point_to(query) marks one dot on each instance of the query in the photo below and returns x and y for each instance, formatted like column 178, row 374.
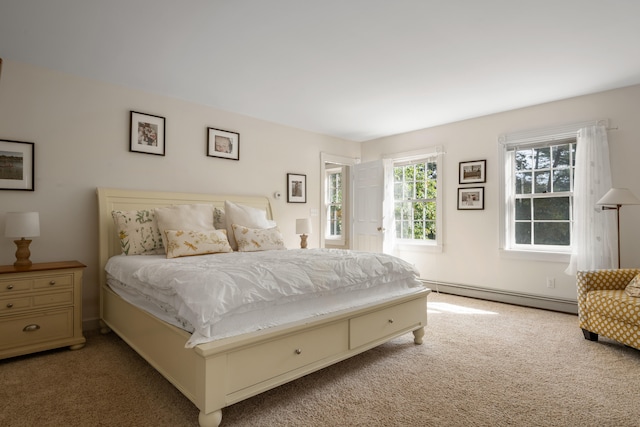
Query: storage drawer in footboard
column 387, row 322
column 252, row 365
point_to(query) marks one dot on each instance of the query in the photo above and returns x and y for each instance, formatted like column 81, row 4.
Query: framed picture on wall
column 16, row 165
column 296, row 188
column 147, row 134
column 471, row 198
column 222, row 143
column 473, row 172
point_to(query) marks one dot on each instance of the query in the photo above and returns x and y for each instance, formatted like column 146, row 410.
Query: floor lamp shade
column 614, row 199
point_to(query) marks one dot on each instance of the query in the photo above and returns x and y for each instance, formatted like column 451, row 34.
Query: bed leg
column 212, row 419
column 104, row 329
column 418, row 334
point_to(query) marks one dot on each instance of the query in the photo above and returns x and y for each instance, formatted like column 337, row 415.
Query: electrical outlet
column 551, row 282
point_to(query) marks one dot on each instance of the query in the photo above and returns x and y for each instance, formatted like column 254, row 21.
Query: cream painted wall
column 81, row 131
column 471, row 240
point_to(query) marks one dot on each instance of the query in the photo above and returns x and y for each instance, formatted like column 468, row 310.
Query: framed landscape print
column 16, row 165
column 473, row 172
column 222, row 143
column 147, row 134
column 471, row 198
column 296, row 188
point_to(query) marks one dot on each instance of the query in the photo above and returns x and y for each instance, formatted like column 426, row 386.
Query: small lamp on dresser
column 303, row 228
column 22, row 225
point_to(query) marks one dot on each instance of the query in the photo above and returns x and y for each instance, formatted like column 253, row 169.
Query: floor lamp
column 615, row 199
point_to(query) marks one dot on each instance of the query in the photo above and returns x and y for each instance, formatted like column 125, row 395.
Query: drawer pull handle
column 9, row 304
column 390, row 320
column 9, row 287
column 31, row 328
column 53, row 282
column 298, row 351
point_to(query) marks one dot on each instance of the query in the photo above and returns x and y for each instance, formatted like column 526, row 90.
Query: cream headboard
column 110, row 199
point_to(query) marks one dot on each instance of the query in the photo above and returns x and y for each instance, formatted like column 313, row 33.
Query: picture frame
column 296, row 188
column 223, row 144
column 471, row 198
column 17, row 165
column 147, row 134
column 473, row 172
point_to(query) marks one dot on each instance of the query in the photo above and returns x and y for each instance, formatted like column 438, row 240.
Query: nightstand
column 40, row 307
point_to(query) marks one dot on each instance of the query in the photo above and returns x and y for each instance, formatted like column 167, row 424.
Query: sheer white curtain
column 594, row 232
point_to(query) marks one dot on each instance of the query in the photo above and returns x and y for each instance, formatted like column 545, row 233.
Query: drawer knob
column 390, row 320
column 9, row 287
column 53, row 282
column 298, row 351
column 9, row 304
column 31, row 328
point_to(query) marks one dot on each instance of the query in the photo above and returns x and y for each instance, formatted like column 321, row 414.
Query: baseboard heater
column 516, row 298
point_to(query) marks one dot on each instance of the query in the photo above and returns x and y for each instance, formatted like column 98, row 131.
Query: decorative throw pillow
column 197, row 217
column 187, row 243
column 138, row 232
column 633, row 288
column 246, row 216
column 253, row 239
column 219, row 220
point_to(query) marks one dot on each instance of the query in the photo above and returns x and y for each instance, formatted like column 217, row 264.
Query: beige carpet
column 482, row 364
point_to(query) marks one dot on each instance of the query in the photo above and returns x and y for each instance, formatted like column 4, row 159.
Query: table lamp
column 615, row 198
column 303, row 228
column 21, row 225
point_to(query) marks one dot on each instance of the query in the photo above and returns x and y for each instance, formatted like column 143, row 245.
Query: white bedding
column 216, row 296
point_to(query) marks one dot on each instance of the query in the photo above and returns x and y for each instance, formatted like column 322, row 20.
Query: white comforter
column 206, row 288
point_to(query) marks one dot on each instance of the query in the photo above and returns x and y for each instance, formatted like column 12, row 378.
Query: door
column 368, row 208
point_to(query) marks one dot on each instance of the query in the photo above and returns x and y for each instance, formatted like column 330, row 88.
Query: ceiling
column 354, row 69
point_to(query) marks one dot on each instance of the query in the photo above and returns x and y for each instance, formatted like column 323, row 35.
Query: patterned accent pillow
column 633, row 288
column 252, row 239
column 219, row 220
column 138, row 232
column 187, row 243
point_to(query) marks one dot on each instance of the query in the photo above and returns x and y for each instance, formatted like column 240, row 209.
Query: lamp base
column 22, row 253
column 303, row 241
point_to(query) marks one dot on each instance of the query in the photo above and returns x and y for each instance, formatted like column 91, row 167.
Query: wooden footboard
column 217, row 374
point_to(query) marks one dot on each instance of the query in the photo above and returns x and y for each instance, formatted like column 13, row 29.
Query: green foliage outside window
column 415, row 194
column 544, row 194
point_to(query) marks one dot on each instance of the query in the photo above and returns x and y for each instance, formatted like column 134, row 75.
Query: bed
column 220, row 372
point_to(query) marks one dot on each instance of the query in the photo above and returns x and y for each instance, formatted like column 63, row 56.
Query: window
column 415, row 191
column 542, row 191
column 536, row 188
column 333, row 203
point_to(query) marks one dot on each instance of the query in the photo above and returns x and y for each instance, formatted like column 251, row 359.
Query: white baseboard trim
column 516, row 298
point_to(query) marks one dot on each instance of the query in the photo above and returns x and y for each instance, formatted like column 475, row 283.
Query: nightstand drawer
column 41, row 327
column 15, row 285
column 10, row 305
column 53, row 281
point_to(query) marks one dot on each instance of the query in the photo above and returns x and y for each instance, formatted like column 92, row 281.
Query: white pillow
column 245, row 216
column 187, row 243
column 196, row 217
column 253, row 239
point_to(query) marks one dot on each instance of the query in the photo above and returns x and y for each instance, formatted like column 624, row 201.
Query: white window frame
column 429, row 154
column 507, row 143
column 330, row 238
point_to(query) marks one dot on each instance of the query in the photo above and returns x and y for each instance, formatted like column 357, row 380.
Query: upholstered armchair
column 604, row 308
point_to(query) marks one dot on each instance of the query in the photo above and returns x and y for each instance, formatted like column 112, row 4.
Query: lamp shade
column 619, row 196
column 303, row 226
column 22, row 224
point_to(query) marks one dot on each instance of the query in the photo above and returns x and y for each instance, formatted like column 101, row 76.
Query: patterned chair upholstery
column 605, row 308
